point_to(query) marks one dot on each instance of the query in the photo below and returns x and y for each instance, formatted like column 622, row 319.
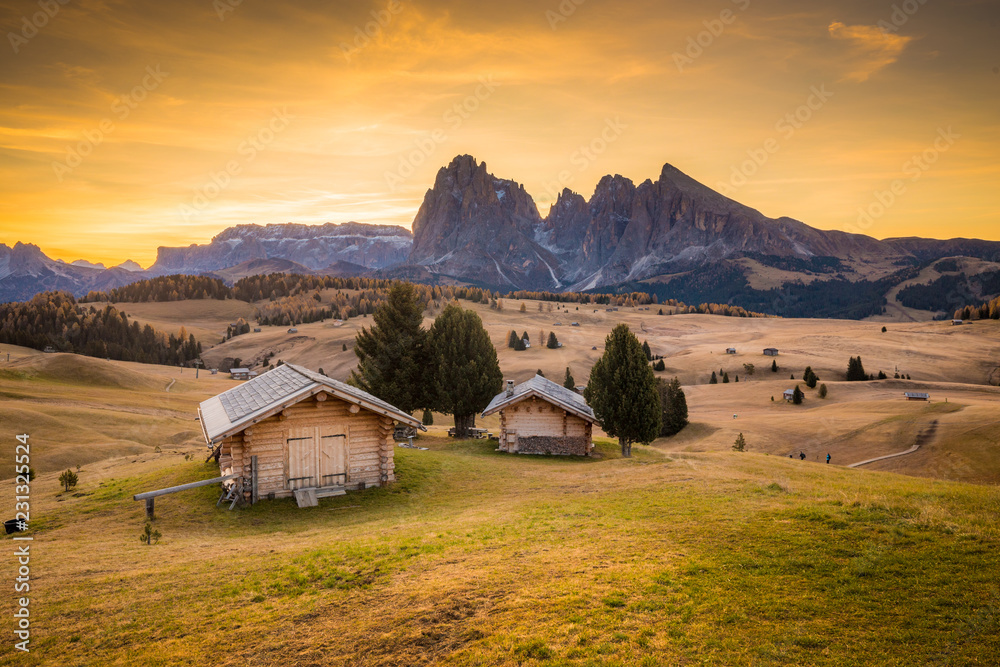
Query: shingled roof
column 547, row 390
column 259, row 398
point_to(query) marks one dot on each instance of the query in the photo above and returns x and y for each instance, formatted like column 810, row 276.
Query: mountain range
column 671, row 235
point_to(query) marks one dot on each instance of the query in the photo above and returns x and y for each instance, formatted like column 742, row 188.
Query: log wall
column 535, row 426
column 369, row 455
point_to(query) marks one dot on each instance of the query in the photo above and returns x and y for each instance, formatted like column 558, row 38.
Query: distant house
column 956, row 323
column 239, row 373
column 789, row 395
column 293, row 432
column 257, row 330
column 214, row 371
column 49, row 349
column 542, row 417
column 293, row 330
column 730, row 350
column 771, row 352
column 575, row 324
column 917, row 396
column 527, row 343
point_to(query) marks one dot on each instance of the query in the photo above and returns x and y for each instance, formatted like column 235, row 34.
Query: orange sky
column 129, row 125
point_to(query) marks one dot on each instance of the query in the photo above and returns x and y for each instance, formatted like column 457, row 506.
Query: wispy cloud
column 871, row 48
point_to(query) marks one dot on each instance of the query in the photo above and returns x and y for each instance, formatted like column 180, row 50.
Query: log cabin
column 542, row 417
column 310, row 436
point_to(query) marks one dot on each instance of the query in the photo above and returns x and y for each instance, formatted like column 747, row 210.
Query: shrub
column 741, row 444
column 822, row 391
column 68, row 479
column 149, row 535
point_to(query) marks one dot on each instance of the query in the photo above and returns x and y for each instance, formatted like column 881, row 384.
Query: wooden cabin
column 770, row 351
column 293, row 432
column 789, row 395
column 239, row 373
column 542, row 417
column 957, row 322
column 917, row 396
column 730, row 350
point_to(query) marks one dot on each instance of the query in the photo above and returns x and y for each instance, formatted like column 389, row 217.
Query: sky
column 129, row 125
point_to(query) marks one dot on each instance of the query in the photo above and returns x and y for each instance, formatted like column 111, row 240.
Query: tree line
column 56, row 320
column 164, row 288
column 987, row 311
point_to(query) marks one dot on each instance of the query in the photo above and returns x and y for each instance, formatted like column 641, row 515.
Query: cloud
column 871, row 48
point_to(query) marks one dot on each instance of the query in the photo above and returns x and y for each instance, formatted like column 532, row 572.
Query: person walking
column 802, row 456
column 828, row 458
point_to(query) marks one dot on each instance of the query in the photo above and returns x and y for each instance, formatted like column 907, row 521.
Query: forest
column 56, row 320
column 951, row 291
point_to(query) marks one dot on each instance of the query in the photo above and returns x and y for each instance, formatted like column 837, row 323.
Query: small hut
column 239, row 373
column 542, row 417
column 770, row 351
column 730, row 350
column 957, row 322
column 917, row 396
column 293, row 432
column 789, row 395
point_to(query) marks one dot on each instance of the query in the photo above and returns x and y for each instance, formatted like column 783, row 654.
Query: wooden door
column 333, row 455
column 302, row 465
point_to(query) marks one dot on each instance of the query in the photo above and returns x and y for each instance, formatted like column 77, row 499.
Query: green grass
column 476, row 557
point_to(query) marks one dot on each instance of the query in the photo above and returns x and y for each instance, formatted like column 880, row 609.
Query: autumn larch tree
column 462, row 368
column 391, row 353
column 622, row 391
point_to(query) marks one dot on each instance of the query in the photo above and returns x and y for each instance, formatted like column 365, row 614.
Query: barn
column 542, row 417
column 917, row 396
column 293, row 432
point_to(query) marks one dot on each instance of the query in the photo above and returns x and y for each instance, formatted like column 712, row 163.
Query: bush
column 149, row 536
column 741, row 443
column 428, row 418
column 822, row 391
column 68, row 479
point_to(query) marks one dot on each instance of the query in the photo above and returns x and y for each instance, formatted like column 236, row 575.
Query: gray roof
column 548, row 390
column 916, row 394
column 259, row 398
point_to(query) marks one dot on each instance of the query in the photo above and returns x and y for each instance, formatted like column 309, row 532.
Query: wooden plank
column 182, row 487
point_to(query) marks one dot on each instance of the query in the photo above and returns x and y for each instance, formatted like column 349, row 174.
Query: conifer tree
column 622, row 391
column 391, row 361
column 512, row 339
column 797, row 396
column 822, row 391
column 428, row 418
column 774, row 366
column 568, row 381
column 465, row 374
column 810, row 378
column 856, row 370
column 673, row 407
column 540, row 373
column 647, row 351
column 725, row 378
column 741, row 444
column 553, row 341
column 714, row 379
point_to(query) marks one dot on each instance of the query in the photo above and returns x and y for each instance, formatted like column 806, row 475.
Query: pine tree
column 519, row 345
column 68, row 479
column 465, row 374
column 741, row 444
column 714, row 379
column 774, row 366
column 647, row 351
column 568, row 381
column 428, row 418
column 856, row 370
column 822, row 391
column 512, row 339
column 673, row 407
column 539, row 372
column 882, row 375
column 659, row 366
column 622, row 391
column 810, row 378
column 553, row 341
column 797, row 396
column 391, row 352
column 725, row 378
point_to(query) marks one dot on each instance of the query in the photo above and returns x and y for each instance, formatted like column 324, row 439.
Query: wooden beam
column 149, row 509
column 254, row 496
column 354, row 409
column 183, row 487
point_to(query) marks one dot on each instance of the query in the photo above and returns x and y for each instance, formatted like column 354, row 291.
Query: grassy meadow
column 687, row 553
column 477, row 558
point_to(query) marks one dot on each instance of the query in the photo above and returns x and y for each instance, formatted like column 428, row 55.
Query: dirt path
column 923, row 438
column 170, row 385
